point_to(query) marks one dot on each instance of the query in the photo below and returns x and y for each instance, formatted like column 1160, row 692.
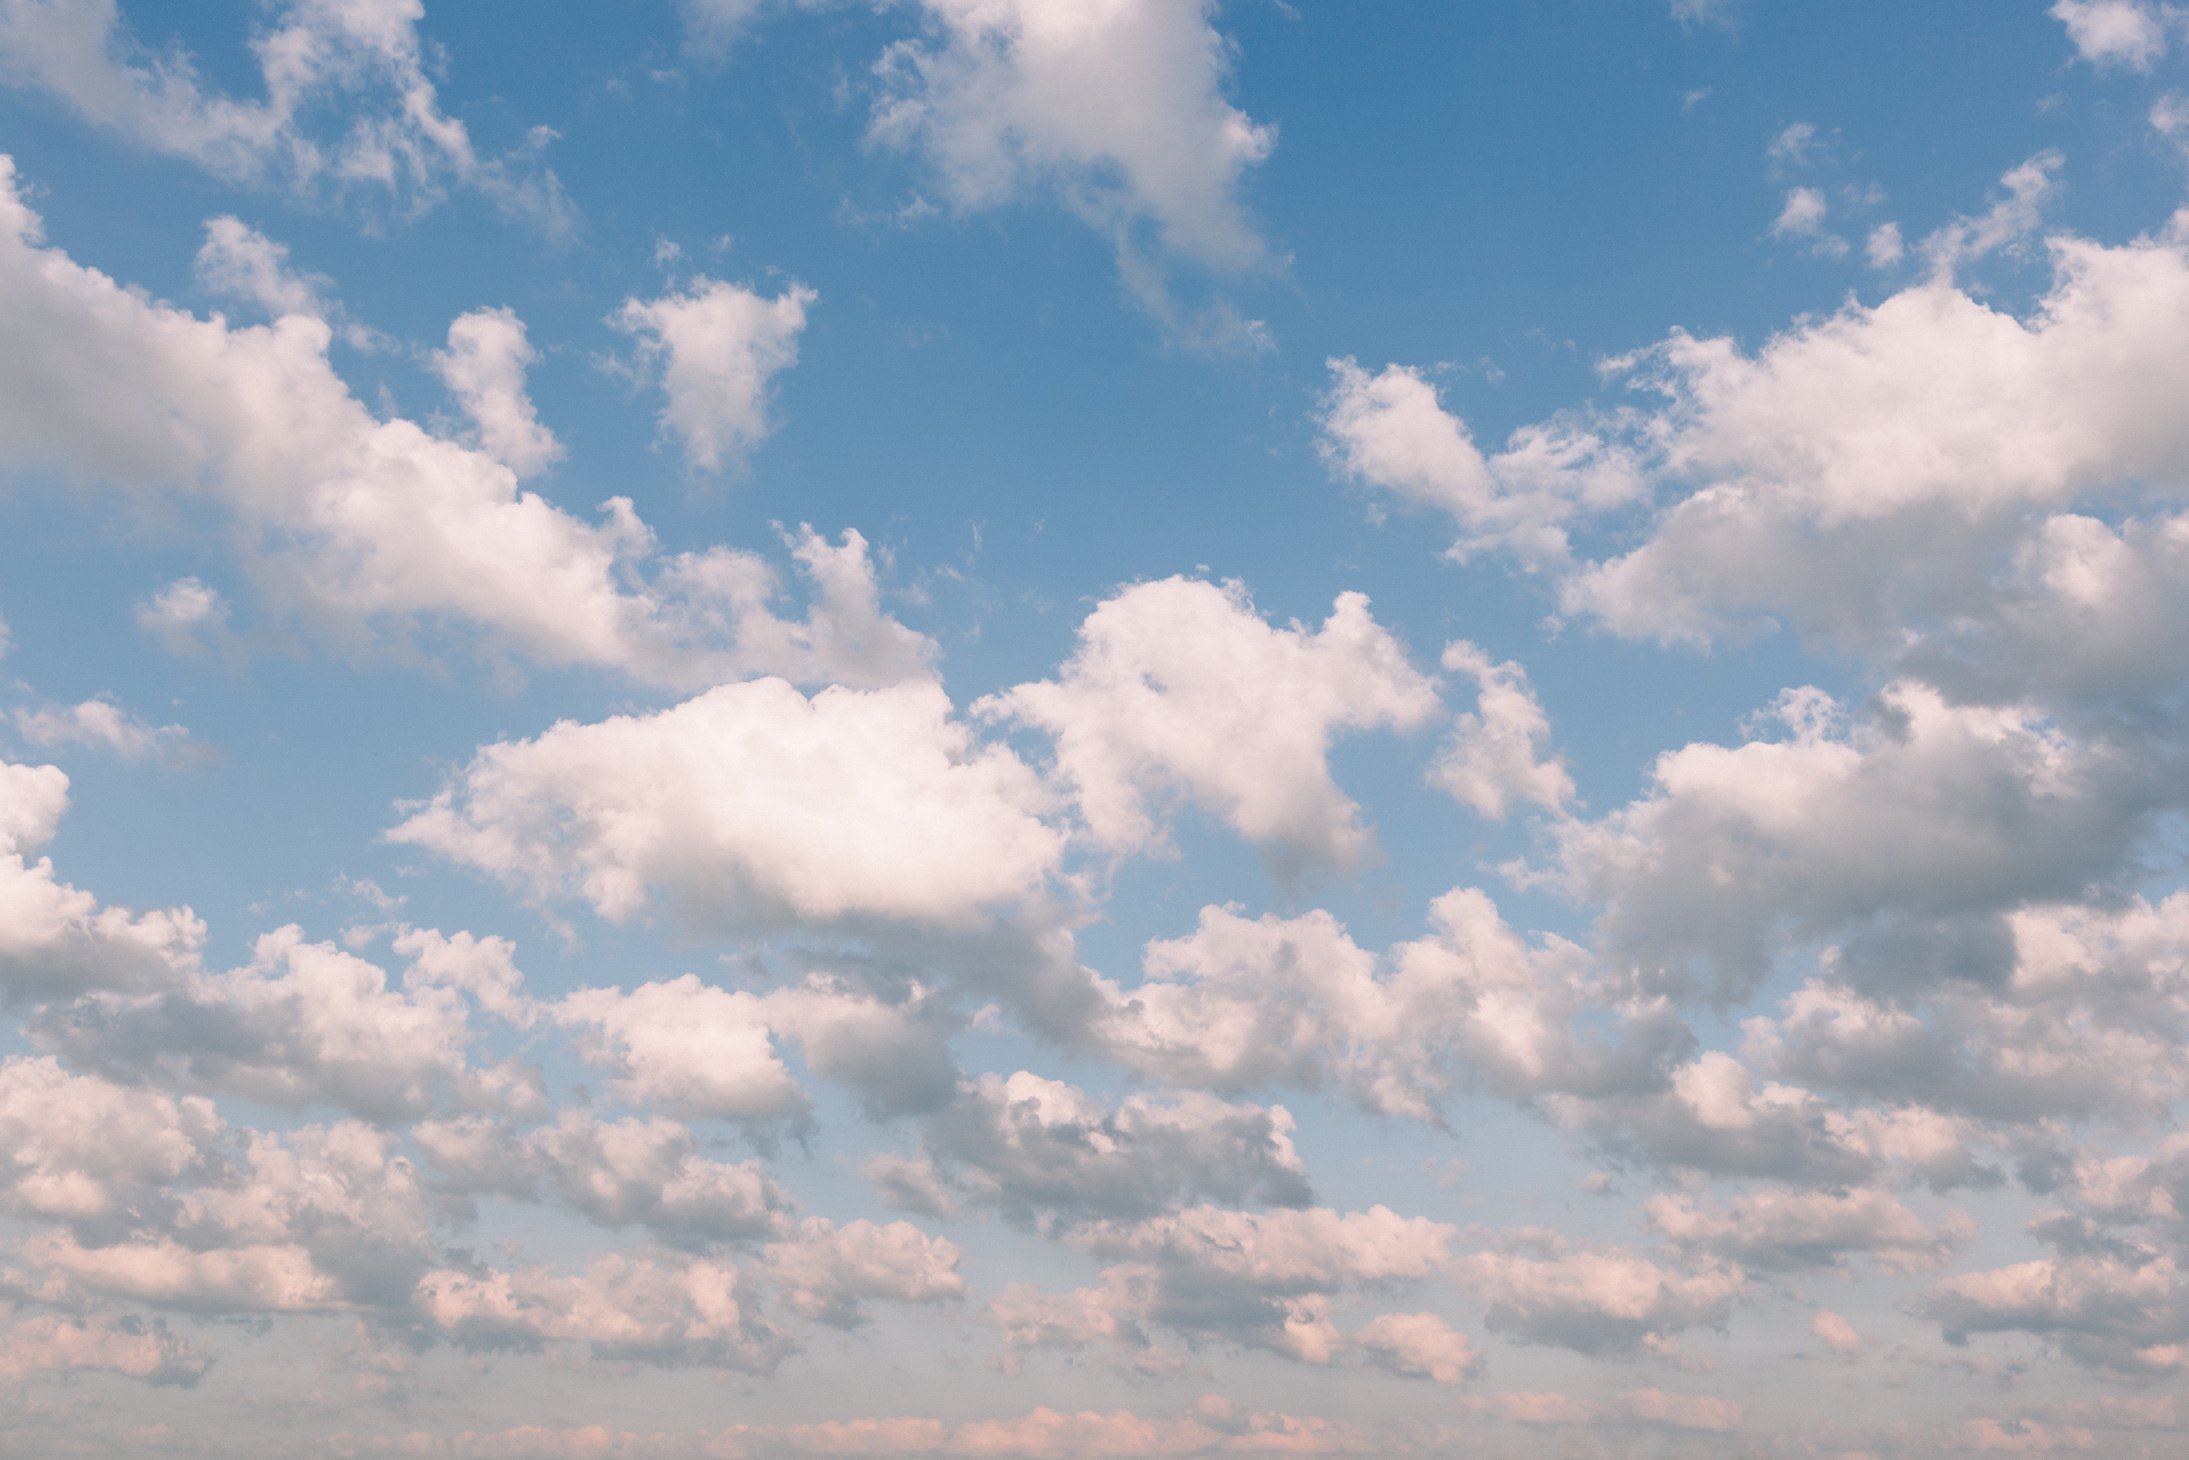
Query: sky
column 1070, row 728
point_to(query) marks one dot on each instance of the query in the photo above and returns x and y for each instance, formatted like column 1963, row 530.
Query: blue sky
column 1093, row 727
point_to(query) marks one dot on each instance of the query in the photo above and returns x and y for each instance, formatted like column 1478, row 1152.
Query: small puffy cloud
column 716, row 349
column 614, row 1173
column 1179, row 690
column 2130, row 33
column 237, row 261
column 1420, row 1345
column 1836, row 1333
column 1390, row 431
column 1031, row 1146
column 1596, row 1300
column 1776, row 1228
column 1256, row 1279
column 484, row 368
column 1714, row 1116
column 1802, row 220
column 99, row 723
column 302, row 1025
column 656, row 1308
column 1115, row 106
column 752, row 806
column 55, row 939
column 187, row 617
column 1498, row 755
column 690, row 1046
column 319, row 1219
column 829, row 1273
column 1245, row 1003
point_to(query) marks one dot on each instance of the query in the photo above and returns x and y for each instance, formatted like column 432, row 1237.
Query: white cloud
column 1031, row 1146
column 362, row 59
column 1179, row 689
column 240, row 262
column 1390, row 430
column 55, row 939
column 302, row 1025
column 1497, row 755
column 615, row 1173
column 1595, row 1300
column 653, row 1308
column 1837, row 1333
column 1923, row 808
column 376, row 531
column 1244, row 1003
column 717, row 349
column 1775, row 1228
column 754, row 806
column 100, row 723
column 1803, row 218
column 695, row 1048
column 51, row 1343
column 1116, row 106
column 1421, row 1345
column 2127, row 33
column 484, row 367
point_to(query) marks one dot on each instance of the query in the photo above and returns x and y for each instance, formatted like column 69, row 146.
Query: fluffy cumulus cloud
column 753, row 805
column 1244, row 1003
column 716, row 348
column 1116, row 107
column 1390, row 430
column 56, row 938
column 1180, row 691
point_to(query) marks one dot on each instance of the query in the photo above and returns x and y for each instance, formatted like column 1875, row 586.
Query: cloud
column 484, row 368
column 1246, row 1003
column 323, row 1218
column 99, row 723
column 1178, row 690
column 657, row 1308
column 717, row 349
column 1837, row 1334
column 239, row 262
column 1803, row 219
column 1922, row 808
column 2126, row 33
column 1116, row 107
column 1596, row 1300
column 97, row 1156
column 753, row 806
column 54, row 1344
column 1390, row 431
column 1256, row 1279
column 375, row 532
column 1031, row 1146
column 55, row 939
column 1775, row 1229
column 302, row 1025
column 614, row 1173
column 1420, row 1345
column 1862, row 475
column 358, row 62
column 1497, row 755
